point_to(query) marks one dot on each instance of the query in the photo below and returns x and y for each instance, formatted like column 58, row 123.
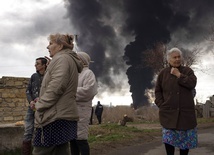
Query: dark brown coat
column 174, row 98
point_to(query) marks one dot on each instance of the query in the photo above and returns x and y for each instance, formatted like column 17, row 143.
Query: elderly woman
column 86, row 90
column 56, row 113
column 173, row 96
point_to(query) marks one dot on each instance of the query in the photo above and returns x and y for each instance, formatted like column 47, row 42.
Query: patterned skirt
column 55, row 133
column 183, row 139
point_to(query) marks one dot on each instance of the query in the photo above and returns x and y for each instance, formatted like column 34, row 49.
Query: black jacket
column 99, row 110
column 33, row 89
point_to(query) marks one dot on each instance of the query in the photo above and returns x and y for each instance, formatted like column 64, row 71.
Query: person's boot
column 26, row 148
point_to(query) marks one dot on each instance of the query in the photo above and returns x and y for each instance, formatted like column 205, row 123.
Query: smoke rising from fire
column 106, row 27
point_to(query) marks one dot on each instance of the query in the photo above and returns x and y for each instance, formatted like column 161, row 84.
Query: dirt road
column 205, row 147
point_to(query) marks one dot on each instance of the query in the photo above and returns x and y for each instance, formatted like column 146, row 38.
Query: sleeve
column 29, row 90
column 88, row 88
column 56, row 86
column 188, row 79
column 159, row 92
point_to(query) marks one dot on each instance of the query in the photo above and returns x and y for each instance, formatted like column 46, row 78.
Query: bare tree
column 156, row 60
column 190, row 57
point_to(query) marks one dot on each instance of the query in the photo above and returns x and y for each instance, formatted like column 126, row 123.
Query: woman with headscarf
column 86, row 90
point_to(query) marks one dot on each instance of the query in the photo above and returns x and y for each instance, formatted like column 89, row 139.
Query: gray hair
column 168, row 53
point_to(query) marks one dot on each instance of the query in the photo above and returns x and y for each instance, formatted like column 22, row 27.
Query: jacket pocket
column 48, row 116
column 168, row 118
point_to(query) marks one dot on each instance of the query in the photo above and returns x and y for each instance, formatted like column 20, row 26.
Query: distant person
column 174, row 97
column 56, row 113
column 92, row 114
column 99, row 112
column 86, row 90
column 32, row 93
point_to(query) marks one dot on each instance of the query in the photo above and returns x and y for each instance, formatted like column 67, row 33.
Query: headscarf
column 85, row 58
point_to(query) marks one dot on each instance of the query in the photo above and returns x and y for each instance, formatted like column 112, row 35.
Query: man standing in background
column 32, row 94
column 99, row 112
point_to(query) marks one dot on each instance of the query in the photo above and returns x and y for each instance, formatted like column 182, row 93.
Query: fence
column 208, row 108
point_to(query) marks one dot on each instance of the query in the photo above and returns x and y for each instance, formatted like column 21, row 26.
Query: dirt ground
column 104, row 149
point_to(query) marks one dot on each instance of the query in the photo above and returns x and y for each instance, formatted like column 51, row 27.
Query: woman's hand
column 176, row 72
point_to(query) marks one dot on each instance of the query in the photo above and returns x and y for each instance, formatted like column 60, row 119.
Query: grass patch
column 113, row 133
column 205, row 120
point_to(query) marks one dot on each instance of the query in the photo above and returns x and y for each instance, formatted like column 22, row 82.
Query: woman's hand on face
column 175, row 71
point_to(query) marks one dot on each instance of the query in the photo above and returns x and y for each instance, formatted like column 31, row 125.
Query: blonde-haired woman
column 56, row 113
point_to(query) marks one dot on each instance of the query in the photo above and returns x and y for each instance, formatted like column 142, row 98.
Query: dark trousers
column 91, row 118
column 170, row 150
column 79, row 147
column 52, row 150
column 99, row 118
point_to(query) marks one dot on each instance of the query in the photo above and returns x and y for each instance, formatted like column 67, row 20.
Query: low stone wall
column 13, row 103
column 13, row 107
column 10, row 137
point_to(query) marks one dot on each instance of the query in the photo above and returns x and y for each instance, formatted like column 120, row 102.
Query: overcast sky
column 25, row 26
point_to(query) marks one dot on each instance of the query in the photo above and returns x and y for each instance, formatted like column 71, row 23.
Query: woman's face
column 53, row 48
column 175, row 59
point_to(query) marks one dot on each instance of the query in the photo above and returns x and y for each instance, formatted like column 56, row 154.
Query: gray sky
column 26, row 24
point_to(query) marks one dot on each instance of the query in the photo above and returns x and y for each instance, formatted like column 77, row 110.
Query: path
column 205, row 147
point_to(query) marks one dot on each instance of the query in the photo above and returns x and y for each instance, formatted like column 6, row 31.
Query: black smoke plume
column 97, row 38
column 104, row 24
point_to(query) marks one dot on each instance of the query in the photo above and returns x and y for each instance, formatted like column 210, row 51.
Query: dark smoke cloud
column 97, row 38
column 103, row 24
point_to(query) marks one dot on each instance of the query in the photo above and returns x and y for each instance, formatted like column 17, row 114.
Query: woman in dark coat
column 173, row 96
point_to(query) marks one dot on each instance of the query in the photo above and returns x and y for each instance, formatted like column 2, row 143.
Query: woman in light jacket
column 56, row 113
column 86, row 90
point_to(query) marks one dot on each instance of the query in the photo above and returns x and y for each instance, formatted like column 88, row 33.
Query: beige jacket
column 58, row 90
column 86, row 90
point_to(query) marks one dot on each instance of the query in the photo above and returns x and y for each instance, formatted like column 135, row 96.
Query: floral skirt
column 183, row 139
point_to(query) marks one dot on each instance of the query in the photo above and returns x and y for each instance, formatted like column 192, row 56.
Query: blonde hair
column 62, row 39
